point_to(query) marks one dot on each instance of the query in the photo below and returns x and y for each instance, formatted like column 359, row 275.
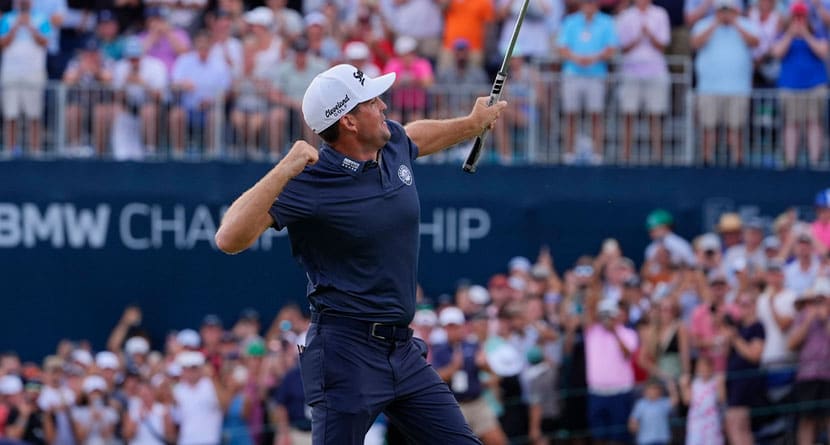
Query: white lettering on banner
column 159, row 225
column 452, row 230
column 125, row 226
column 10, row 232
column 48, row 227
column 83, row 228
column 201, row 228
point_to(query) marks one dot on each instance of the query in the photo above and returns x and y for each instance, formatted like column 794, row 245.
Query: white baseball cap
column 10, row 384
column 82, row 356
column 478, row 294
column 94, row 383
column 188, row 338
column 190, row 359
column 425, row 317
column 451, row 315
column 505, row 360
column 106, row 360
column 336, row 91
column 262, row 16
column 137, row 345
column 357, row 50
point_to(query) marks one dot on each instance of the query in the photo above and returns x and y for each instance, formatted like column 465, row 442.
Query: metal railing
column 252, row 122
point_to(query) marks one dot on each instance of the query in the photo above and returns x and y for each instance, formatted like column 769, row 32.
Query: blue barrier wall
column 80, row 240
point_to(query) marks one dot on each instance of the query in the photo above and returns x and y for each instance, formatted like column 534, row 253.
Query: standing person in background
column 292, row 416
column 803, row 80
column 649, row 419
column 200, row 401
column 56, row 399
column 24, row 36
column 413, row 76
column 723, row 65
column 467, row 19
column 767, row 19
column 162, row 40
column 534, row 40
column 540, row 387
column 235, row 430
column 776, row 309
column 24, row 420
column 644, row 32
column 148, row 420
column 820, row 228
column 93, row 420
column 704, row 394
column 586, row 42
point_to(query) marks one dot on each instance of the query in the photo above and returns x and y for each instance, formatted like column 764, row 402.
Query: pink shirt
column 644, row 60
column 163, row 50
column 821, row 232
column 703, row 328
column 608, row 369
column 419, row 69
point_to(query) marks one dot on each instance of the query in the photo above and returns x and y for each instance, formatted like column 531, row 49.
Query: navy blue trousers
column 349, row 377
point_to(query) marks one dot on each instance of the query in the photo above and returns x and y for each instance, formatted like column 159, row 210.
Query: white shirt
column 425, row 13
column 151, row 71
column 210, row 78
column 768, row 31
column 775, row 341
column 24, row 60
column 83, row 415
column 233, row 47
column 200, row 415
column 534, row 38
column 679, row 249
column 643, row 60
column 149, row 429
column 798, row 280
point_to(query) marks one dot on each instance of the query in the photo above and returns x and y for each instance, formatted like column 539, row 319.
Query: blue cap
column 153, row 12
column 91, row 44
column 823, row 198
column 106, row 16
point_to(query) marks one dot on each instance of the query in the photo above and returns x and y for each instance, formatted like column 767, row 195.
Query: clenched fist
column 485, row 116
column 302, row 154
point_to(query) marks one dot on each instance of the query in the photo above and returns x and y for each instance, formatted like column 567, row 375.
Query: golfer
column 352, row 214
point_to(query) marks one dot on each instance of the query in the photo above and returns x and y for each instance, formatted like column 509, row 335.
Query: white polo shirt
column 199, row 413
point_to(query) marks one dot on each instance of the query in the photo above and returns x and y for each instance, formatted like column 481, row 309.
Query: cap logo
column 359, row 76
column 337, row 108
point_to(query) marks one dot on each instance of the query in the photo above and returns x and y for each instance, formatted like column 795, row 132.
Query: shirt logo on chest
column 405, row 175
column 349, row 164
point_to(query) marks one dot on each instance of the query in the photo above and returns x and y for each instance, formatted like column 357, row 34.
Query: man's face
column 191, row 374
column 211, row 334
column 753, row 237
column 108, row 29
column 202, row 45
column 774, row 278
column 589, row 7
column 455, row 332
column 719, row 290
column 370, row 120
column 803, row 249
column 24, row 5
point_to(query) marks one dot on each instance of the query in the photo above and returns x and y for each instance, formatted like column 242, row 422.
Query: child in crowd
column 703, row 394
column 649, row 419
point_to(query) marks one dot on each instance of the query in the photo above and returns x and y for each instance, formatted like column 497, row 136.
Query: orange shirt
column 466, row 19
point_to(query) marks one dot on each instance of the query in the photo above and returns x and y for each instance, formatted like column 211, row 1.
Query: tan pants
column 299, row 437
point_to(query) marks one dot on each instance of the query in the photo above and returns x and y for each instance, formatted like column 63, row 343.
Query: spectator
column 368, row 27
column 696, row 10
column 744, row 381
column 200, row 85
column 704, row 395
column 55, row 401
column 767, row 20
column 659, row 224
column 809, row 339
column 56, row 13
column 107, row 33
column 184, row 14
column 649, row 419
column 803, row 51
column 211, row 332
column 644, row 32
column 820, row 228
column 89, row 100
column 200, row 401
column 24, row 420
column 587, row 41
column 268, row 49
column 413, row 78
column 708, row 252
column 609, row 346
column 534, row 40
column 358, row 54
column 162, row 40
column 292, row 416
column 461, row 73
column 469, row 20
column 289, row 82
column 800, row 274
column 730, row 227
column 776, row 309
column 459, row 362
column 511, row 131
column 667, row 344
column 235, row 430
column 236, row 12
column 427, row 14
column 249, row 108
column 541, row 392
column 288, row 23
column 93, row 420
column 723, row 66
column 148, row 421
column 225, row 48
column 141, row 82
column 321, row 42
column 706, row 325
column 750, row 252
column 24, row 35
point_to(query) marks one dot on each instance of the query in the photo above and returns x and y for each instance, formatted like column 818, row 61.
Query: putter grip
column 475, row 153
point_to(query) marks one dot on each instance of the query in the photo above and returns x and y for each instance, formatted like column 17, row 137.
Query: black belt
column 380, row 331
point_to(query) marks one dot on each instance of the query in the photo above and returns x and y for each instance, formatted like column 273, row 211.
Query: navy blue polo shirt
column 353, row 227
column 290, row 395
column 442, row 356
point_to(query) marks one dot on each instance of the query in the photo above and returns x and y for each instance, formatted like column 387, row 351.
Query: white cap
column 315, row 18
column 174, row 369
column 94, row 383
column 336, row 91
column 137, row 345
column 516, row 283
column 425, row 317
column 357, row 51
column 82, row 356
column 451, row 315
column 405, row 45
column 188, row 338
column 731, row 4
column 608, row 306
column 772, row 242
column 708, row 241
column 261, row 15
column 189, row 359
column 478, row 294
column 505, row 360
column 519, row 263
column 820, row 288
column 10, row 384
column 106, row 360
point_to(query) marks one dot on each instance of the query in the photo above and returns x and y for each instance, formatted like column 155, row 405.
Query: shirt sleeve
column 662, row 30
column 5, row 25
column 611, row 38
column 637, row 412
column 562, row 40
column 294, row 204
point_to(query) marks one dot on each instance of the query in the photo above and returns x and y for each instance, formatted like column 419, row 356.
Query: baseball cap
column 478, row 295
column 730, row 222
column 300, row 45
column 356, row 51
column 255, row 348
column 10, row 384
column 188, row 338
column 505, row 360
column 249, row 314
column 708, row 241
column 315, row 18
column 90, row 44
column 190, row 359
column 212, row 320
column 154, row 12
column 425, row 317
column 498, row 281
column 772, row 242
column 133, row 48
column 106, row 15
column 137, row 345
column 608, row 307
column 451, row 315
column 94, row 383
column 82, row 356
column 822, row 197
column 519, row 263
column 754, row 222
column 460, row 43
column 106, row 360
column 728, row 4
column 336, row 91
column 262, row 16
column 657, row 218
column 775, row 265
column 799, row 8
column 716, row 276
column 405, row 45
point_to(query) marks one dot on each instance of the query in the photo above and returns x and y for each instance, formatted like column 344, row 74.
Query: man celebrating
column 352, row 214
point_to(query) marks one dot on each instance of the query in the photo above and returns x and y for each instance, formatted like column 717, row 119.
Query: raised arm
column 248, row 216
column 432, row 136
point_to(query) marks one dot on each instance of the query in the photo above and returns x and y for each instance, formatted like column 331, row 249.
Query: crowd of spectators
column 145, row 74
column 726, row 337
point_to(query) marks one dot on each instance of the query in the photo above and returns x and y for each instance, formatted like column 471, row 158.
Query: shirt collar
column 343, row 162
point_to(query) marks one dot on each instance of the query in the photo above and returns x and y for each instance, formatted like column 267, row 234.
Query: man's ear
column 349, row 123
